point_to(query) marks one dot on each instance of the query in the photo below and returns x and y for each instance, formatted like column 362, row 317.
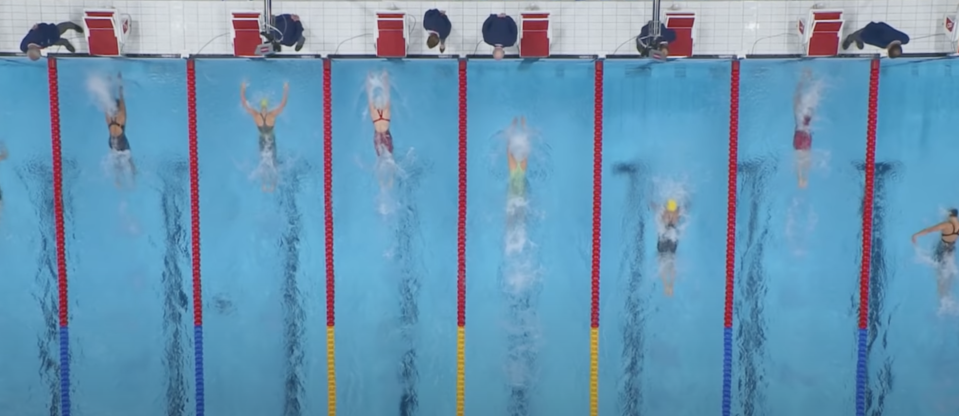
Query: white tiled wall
column 594, row 27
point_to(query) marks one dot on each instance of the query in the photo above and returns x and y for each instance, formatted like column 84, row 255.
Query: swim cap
column 671, row 205
column 264, row 103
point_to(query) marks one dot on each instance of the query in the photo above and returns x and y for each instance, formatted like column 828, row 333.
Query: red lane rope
column 58, row 189
column 731, row 194
column 862, row 375
column 328, row 190
column 597, row 191
column 194, row 192
column 195, row 234
column 868, row 194
column 730, row 235
column 63, row 300
column 461, row 206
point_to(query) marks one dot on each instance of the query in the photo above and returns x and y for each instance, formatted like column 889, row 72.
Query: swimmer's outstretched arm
column 941, row 227
column 286, row 94
column 246, row 105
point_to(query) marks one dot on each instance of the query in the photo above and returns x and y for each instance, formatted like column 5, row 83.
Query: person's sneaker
column 859, row 44
column 69, row 46
column 299, row 44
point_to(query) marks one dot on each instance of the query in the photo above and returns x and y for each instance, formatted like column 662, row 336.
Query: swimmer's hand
column 914, row 236
column 286, row 86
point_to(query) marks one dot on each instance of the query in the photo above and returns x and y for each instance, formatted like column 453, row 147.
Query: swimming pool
column 398, row 249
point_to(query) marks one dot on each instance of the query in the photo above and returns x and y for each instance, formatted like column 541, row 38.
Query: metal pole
column 653, row 31
column 268, row 14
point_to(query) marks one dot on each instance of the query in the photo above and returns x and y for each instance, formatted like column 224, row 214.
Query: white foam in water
column 665, row 189
column 946, row 273
column 801, row 220
column 102, row 92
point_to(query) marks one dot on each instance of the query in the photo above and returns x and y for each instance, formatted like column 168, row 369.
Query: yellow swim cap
column 264, row 103
column 671, row 205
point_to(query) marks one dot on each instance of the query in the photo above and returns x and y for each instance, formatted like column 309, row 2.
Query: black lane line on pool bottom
column 750, row 319
column 176, row 303
column 407, row 226
column 632, row 261
column 38, row 178
column 294, row 316
column 881, row 384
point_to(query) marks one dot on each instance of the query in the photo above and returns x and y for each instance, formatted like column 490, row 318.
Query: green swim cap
column 264, row 103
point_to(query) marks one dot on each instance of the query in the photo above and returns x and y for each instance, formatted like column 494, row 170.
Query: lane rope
column 328, row 223
column 730, row 235
column 596, row 243
column 461, row 251
column 195, row 236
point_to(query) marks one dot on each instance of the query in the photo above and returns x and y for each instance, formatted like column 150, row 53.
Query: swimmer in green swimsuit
column 265, row 120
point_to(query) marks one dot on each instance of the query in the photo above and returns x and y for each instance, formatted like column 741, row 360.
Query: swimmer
column 265, row 120
column 517, row 163
column 380, row 114
column 119, row 143
column 948, row 234
column 668, row 242
column 3, row 156
column 379, row 106
column 802, row 136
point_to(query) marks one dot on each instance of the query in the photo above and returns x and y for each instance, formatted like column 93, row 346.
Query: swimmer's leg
column 802, row 167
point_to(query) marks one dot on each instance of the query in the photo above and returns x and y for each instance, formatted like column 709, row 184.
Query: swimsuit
column 946, row 248
column 667, row 245
column 802, row 138
column 118, row 143
column 382, row 141
column 517, row 182
column 267, row 139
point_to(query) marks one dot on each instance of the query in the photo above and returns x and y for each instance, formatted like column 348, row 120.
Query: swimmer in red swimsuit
column 802, row 136
column 380, row 114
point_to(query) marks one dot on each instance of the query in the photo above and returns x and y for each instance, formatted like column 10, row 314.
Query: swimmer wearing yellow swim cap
column 667, row 245
column 265, row 120
column 517, row 167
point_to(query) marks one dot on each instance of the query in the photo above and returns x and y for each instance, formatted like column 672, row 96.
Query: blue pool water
column 395, row 247
column 528, row 280
column 658, row 351
column 914, row 368
column 666, row 129
column 263, row 262
column 29, row 352
column 126, row 249
column 798, row 250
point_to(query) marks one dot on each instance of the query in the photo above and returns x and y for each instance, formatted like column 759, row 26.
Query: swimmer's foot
column 803, row 183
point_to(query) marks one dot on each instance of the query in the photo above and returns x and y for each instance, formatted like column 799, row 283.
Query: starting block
column 390, row 34
column 535, row 34
column 952, row 32
column 245, row 27
column 821, row 32
column 106, row 31
column 684, row 24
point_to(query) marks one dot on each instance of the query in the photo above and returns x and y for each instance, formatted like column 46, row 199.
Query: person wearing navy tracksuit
column 287, row 30
column 45, row 35
column 500, row 31
column 646, row 43
column 438, row 28
column 880, row 35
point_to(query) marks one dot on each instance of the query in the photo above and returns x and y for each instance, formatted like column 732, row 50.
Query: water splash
column 118, row 166
column 675, row 189
column 801, row 220
column 102, row 92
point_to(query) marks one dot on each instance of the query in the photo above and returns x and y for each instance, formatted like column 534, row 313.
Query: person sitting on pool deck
column 658, row 46
column 667, row 244
column 880, row 35
column 438, row 28
column 45, row 35
column 500, row 31
column 945, row 248
column 287, row 31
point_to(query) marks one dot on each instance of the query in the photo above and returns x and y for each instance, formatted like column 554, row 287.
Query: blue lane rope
column 64, row 371
column 727, row 368
column 198, row 361
column 861, row 375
